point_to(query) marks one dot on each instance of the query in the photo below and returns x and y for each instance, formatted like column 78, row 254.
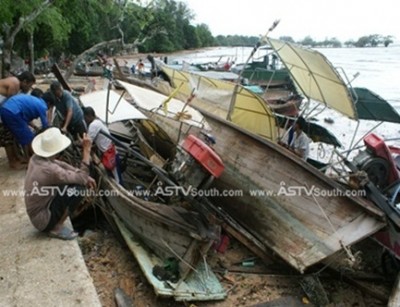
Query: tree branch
column 22, row 21
column 92, row 49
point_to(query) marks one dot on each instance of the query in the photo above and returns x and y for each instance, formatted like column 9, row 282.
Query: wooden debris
column 122, row 299
column 312, row 286
column 56, row 71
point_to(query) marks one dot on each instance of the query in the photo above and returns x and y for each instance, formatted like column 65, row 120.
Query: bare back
column 9, row 86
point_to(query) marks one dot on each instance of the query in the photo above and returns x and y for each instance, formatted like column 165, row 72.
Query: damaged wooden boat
column 287, row 205
column 169, row 235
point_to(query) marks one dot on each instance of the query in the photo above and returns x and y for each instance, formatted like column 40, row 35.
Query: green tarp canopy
column 371, row 106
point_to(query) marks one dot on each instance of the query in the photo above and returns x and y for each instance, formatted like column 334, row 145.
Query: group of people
column 42, row 146
column 49, row 180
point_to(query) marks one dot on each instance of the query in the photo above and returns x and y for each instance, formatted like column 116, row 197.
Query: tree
column 307, row 41
column 191, row 39
column 16, row 18
column 204, row 35
column 350, row 43
column 374, row 40
column 363, row 41
column 330, row 42
column 387, row 40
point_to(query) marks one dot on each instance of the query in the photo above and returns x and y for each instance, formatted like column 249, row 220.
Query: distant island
column 373, row 40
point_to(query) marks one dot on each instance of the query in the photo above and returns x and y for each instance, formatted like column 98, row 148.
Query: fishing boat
column 285, row 204
column 320, row 83
column 168, row 234
column 92, row 69
column 266, row 71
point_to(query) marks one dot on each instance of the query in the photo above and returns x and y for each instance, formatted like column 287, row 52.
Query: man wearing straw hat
column 54, row 189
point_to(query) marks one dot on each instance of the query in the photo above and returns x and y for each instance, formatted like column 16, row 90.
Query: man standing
column 69, row 109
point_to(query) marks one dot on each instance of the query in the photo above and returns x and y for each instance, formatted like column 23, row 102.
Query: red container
column 204, row 155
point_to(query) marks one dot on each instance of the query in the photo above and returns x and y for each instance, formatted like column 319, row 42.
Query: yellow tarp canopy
column 226, row 100
column 315, row 76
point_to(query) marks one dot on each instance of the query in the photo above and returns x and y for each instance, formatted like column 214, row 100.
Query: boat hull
column 168, row 231
column 285, row 203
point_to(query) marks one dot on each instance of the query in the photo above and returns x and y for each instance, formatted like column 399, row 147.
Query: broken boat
column 168, row 234
column 285, row 204
column 321, row 83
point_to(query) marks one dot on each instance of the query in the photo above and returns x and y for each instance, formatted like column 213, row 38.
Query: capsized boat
column 168, row 235
column 286, row 204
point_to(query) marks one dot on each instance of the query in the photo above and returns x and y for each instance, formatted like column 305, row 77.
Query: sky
column 319, row 19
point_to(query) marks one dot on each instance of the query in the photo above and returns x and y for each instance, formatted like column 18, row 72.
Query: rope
column 323, row 212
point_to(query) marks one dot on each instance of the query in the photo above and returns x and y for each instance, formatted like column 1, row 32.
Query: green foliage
column 72, row 26
column 236, row 40
column 373, row 40
column 307, row 41
column 204, row 35
column 6, row 11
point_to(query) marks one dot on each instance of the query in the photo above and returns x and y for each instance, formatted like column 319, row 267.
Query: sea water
column 377, row 69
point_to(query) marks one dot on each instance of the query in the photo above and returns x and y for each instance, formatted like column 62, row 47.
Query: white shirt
column 102, row 142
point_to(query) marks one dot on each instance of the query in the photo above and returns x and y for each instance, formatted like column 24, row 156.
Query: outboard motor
column 377, row 162
column 196, row 164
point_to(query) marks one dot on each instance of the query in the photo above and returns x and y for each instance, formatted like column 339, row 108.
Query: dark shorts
column 63, row 202
column 18, row 126
column 6, row 137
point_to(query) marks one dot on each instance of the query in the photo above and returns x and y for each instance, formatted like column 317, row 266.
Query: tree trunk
column 92, row 49
column 31, row 54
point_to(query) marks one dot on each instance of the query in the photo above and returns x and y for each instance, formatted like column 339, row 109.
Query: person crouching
column 53, row 188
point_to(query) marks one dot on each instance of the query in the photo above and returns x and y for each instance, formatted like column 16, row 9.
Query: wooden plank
column 56, row 71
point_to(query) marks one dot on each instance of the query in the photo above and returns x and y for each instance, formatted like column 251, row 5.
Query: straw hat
column 50, row 143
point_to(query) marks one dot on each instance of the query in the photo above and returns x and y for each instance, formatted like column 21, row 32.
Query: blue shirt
column 30, row 107
column 67, row 102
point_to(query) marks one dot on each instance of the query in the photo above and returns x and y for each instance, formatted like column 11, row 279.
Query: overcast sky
column 320, row 19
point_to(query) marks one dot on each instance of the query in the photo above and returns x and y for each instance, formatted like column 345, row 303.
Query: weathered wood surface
column 303, row 228
column 57, row 73
column 169, row 231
